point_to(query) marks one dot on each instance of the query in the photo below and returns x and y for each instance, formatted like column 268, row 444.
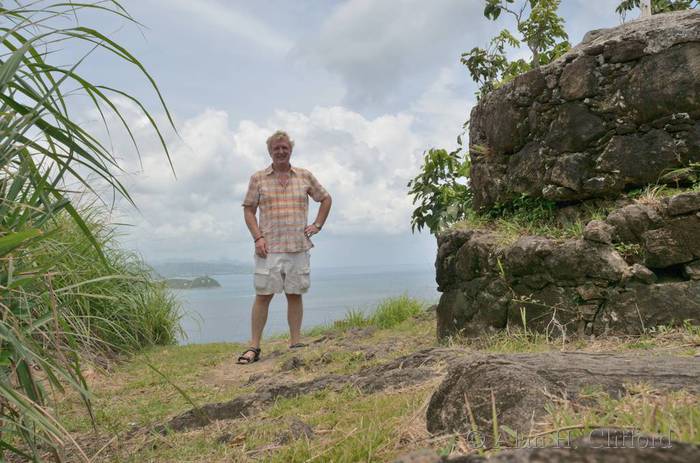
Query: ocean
column 223, row 314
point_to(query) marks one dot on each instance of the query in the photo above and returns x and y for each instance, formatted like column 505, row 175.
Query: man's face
column 280, row 151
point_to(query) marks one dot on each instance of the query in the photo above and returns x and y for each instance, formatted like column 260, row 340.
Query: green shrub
column 114, row 307
column 439, row 191
column 538, row 26
column 354, row 318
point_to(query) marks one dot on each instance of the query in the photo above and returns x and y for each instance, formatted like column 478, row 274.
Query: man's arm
column 323, row 211
column 252, row 222
column 321, row 217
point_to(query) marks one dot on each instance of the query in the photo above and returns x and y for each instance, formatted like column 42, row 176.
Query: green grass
column 136, row 394
column 516, row 339
column 354, row 318
column 389, row 313
column 537, row 216
column 529, row 216
column 641, row 345
column 511, row 340
column 348, row 427
column 140, row 395
column 348, row 424
column 86, row 305
column 630, row 250
column 362, row 427
column 115, row 306
column 644, row 409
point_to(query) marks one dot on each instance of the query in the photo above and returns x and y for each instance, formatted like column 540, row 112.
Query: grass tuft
column 389, row 313
column 527, row 215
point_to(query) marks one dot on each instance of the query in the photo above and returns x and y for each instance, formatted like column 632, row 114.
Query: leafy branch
column 442, row 199
column 540, row 28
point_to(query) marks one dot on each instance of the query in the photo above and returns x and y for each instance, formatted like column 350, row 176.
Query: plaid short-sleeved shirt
column 284, row 210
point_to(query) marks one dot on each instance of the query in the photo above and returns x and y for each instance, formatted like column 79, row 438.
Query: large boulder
column 515, row 388
column 593, row 123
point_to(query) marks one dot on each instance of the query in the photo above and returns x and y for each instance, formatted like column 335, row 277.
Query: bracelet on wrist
column 258, row 238
column 317, row 226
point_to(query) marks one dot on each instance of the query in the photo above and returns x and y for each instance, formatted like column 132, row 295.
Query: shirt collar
column 269, row 170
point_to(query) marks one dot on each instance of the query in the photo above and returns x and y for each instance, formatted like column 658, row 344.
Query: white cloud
column 376, row 46
column 445, row 105
column 391, row 64
column 225, row 17
column 357, row 159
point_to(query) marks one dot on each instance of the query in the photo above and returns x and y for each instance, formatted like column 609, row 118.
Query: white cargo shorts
column 282, row 271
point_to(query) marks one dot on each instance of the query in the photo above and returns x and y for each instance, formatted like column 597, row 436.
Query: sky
column 364, row 87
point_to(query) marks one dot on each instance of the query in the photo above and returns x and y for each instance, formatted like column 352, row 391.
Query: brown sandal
column 243, row 360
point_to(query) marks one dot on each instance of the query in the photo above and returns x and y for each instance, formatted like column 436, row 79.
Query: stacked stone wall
column 592, row 285
column 619, row 111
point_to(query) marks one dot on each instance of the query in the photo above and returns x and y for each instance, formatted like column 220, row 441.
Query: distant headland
column 199, row 282
column 193, row 269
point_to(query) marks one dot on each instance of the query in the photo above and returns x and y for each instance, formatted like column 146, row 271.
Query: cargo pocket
column 261, row 278
column 304, row 279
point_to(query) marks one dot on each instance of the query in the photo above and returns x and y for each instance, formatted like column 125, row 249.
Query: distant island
column 199, row 282
column 192, row 269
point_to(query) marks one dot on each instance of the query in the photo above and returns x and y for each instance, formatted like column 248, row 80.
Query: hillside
column 357, row 393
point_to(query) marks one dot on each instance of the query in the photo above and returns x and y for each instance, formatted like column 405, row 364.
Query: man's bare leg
column 295, row 312
column 258, row 320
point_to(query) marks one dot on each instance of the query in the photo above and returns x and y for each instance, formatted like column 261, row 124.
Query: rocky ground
column 370, row 394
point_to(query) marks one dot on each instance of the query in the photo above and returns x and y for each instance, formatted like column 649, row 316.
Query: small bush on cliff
column 540, row 28
column 526, row 215
column 440, row 189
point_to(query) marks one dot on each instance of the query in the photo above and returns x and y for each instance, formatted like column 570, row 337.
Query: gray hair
column 277, row 136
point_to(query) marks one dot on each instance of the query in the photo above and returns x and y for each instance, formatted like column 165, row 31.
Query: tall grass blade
column 66, row 289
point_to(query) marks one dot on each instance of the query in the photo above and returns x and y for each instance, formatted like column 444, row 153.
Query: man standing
column 281, row 237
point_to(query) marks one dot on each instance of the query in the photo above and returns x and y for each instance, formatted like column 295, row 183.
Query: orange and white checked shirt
column 284, row 210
